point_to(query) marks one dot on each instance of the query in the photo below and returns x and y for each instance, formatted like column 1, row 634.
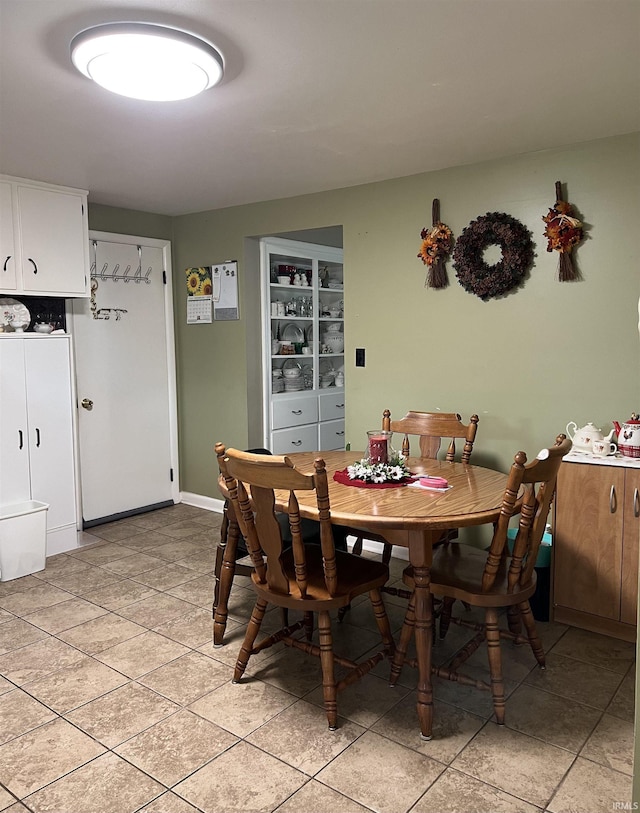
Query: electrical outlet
column 359, row 356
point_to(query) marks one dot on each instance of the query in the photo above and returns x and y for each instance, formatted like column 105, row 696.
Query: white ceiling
column 318, row 94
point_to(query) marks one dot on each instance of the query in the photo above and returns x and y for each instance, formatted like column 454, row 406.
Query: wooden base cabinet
column 595, row 548
column 37, row 431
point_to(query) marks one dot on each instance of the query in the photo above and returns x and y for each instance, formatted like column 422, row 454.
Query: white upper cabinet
column 44, row 239
column 7, row 243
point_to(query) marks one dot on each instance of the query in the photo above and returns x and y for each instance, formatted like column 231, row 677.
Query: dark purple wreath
column 488, row 281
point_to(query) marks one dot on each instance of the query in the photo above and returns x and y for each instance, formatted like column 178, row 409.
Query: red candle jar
column 379, row 442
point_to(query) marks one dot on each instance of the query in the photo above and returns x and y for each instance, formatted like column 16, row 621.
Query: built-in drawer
column 331, row 435
column 331, row 405
column 294, row 411
column 295, row 439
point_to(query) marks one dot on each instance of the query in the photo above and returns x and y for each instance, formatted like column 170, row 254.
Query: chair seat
column 356, row 575
column 457, row 571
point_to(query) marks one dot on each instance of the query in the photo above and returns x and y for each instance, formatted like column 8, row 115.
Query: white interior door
column 125, row 367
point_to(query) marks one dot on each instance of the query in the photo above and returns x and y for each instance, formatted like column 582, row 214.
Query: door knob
column 87, row 404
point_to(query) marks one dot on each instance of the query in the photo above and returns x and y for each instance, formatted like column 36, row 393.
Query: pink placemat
column 343, row 478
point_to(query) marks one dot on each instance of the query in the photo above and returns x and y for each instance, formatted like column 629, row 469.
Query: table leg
column 420, row 558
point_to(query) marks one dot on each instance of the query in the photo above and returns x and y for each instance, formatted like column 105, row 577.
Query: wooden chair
column 495, row 580
column 431, row 428
column 305, row 577
column 232, row 547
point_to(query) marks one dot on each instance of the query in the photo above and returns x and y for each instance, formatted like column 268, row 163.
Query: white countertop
column 610, row 460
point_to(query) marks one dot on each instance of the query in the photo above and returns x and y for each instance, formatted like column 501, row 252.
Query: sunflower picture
column 199, row 281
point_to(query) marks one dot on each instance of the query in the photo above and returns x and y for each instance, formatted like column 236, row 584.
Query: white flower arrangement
column 393, row 471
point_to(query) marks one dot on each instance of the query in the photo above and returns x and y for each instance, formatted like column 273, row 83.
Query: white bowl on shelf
column 284, row 280
column 334, row 341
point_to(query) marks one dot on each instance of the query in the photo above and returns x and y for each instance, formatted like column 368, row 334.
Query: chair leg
column 532, row 633
column 445, row 615
column 406, row 633
column 308, row 625
column 382, row 620
column 329, row 691
column 514, row 620
column 253, row 628
column 342, row 612
column 225, row 569
column 495, row 663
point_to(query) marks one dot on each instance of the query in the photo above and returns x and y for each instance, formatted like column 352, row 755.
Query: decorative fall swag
column 563, row 232
column 437, row 243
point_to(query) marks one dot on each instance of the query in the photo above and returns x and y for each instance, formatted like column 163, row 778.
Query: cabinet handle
column 636, row 503
column 35, row 267
column 612, row 500
column 4, row 267
column 296, row 443
column 340, row 433
column 21, row 439
column 339, row 406
column 37, row 438
column 296, row 412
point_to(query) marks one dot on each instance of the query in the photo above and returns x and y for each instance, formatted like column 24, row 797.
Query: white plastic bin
column 23, row 539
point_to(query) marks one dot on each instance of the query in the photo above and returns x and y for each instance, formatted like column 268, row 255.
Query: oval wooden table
column 413, row 518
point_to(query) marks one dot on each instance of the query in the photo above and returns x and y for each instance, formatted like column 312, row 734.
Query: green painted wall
column 544, row 355
column 128, row 221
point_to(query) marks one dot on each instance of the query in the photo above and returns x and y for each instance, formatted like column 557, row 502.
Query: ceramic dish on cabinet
column 15, row 314
column 292, row 333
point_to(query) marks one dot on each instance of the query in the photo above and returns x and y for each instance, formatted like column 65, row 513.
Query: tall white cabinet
column 303, row 322
column 44, row 239
column 37, row 460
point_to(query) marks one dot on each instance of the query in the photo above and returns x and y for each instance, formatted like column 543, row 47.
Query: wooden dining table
column 413, row 518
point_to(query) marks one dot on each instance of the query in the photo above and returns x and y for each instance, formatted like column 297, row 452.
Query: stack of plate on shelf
column 293, row 378
column 277, row 381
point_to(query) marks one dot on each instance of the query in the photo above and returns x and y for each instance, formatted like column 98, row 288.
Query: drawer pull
column 339, row 406
column 636, row 503
column 296, row 443
column 342, row 433
column 296, row 412
column 612, row 500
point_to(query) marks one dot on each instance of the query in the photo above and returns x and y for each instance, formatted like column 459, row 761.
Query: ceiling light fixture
column 147, row 61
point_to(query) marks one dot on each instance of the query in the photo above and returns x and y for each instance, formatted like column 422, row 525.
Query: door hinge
column 164, row 277
column 171, row 475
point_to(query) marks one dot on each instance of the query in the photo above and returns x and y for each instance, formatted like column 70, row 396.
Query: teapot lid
column 633, row 419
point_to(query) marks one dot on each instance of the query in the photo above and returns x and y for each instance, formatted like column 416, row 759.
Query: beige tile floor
column 113, row 700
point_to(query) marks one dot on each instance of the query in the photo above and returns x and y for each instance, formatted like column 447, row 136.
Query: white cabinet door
column 15, row 482
column 7, row 246
column 54, row 241
column 48, row 379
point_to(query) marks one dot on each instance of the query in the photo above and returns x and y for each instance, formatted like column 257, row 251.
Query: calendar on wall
column 212, row 293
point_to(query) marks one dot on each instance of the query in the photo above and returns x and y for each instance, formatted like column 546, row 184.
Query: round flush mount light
column 147, row 61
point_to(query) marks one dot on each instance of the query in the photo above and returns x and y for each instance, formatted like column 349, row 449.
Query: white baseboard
column 199, row 501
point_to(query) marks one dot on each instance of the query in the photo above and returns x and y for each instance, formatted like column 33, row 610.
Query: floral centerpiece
column 395, row 471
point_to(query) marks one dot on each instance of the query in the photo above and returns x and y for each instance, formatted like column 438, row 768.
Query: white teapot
column 583, row 438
